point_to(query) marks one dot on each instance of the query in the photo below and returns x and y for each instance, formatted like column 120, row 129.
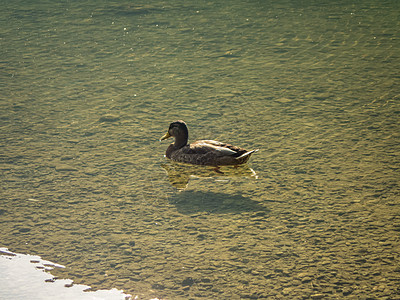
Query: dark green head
column 179, row 131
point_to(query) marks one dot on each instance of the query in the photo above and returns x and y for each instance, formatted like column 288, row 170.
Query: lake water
column 88, row 88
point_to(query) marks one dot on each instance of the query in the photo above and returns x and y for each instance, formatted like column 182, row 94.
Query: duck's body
column 204, row 152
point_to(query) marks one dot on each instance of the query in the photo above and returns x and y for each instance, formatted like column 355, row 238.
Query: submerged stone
column 109, row 118
column 65, row 168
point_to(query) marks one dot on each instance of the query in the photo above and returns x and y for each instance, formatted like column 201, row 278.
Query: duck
column 202, row 152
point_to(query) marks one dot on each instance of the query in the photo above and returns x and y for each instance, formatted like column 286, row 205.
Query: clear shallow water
column 89, row 88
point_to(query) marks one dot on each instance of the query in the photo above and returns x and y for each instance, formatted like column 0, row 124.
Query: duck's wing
column 210, row 146
column 211, row 142
column 213, row 153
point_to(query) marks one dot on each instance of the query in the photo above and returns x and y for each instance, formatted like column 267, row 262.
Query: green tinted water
column 88, row 89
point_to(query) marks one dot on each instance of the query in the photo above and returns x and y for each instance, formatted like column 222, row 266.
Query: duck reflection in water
column 179, row 174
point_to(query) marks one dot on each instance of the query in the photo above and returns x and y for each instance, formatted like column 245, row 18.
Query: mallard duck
column 204, row 152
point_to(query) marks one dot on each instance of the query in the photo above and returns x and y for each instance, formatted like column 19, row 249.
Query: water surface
column 87, row 89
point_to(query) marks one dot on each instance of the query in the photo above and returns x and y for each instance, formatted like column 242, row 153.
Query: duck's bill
column 167, row 135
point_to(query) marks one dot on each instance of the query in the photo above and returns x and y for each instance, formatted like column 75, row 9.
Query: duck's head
column 179, row 131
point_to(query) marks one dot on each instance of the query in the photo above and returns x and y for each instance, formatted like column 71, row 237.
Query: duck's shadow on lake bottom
column 189, row 202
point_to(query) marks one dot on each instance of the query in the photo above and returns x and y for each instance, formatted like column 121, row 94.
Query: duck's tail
column 245, row 156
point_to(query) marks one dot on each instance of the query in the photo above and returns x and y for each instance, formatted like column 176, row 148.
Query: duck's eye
column 173, row 126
